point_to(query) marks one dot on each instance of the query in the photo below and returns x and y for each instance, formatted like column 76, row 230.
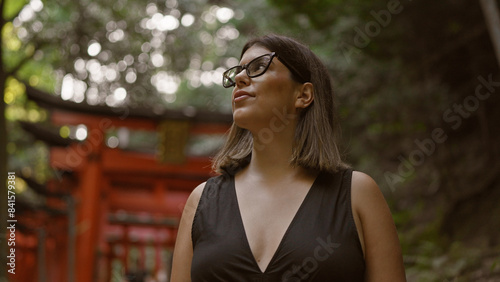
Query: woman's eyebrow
column 247, row 61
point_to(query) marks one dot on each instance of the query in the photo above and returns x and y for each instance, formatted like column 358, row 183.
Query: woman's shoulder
column 211, row 183
column 366, row 197
column 364, row 189
column 194, row 198
column 364, row 182
column 196, row 193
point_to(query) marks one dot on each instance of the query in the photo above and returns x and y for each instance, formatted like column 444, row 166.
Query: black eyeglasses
column 254, row 68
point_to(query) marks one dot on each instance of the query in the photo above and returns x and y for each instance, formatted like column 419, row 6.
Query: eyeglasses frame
column 245, row 67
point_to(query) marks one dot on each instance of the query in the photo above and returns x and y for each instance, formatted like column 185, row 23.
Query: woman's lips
column 241, row 95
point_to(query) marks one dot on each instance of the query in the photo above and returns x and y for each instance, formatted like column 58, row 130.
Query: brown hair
column 315, row 142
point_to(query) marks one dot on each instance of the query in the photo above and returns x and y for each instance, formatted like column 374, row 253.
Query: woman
column 285, row 207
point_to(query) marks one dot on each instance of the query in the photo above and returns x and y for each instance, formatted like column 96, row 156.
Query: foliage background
column 407, row 75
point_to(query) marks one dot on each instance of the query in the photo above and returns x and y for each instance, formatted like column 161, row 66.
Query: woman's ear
column 305, row 96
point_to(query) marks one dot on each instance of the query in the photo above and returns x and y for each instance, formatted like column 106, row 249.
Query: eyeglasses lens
column 256, row 67
column 229, row 76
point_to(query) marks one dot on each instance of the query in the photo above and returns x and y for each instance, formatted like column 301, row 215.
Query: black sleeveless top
column 321, row 243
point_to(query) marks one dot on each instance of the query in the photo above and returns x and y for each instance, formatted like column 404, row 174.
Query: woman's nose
column 242, row 78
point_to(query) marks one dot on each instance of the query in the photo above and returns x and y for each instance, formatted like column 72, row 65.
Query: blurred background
column 111, row 110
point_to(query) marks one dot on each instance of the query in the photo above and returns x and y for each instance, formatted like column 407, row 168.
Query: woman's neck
column 271, row 155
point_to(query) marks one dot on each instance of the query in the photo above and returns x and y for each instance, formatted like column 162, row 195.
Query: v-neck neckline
column 294, row 219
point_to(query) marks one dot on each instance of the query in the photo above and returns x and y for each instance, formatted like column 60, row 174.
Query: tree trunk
column 3, row 181
column 492, row 17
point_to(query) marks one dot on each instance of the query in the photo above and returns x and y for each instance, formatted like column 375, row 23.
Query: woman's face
column 266, row 100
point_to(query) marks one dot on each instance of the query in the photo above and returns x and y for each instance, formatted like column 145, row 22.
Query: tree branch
column 2, row 6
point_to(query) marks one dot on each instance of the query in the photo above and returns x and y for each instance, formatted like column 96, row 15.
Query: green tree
column 121, row 54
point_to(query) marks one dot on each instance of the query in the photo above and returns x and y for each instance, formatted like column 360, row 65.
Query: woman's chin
column 241, row 114
column 243, row 119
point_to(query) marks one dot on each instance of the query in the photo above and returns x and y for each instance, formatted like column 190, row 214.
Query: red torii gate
column 120, row 199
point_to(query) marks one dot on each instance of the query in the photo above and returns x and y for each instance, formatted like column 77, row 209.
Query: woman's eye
column 259, row 65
